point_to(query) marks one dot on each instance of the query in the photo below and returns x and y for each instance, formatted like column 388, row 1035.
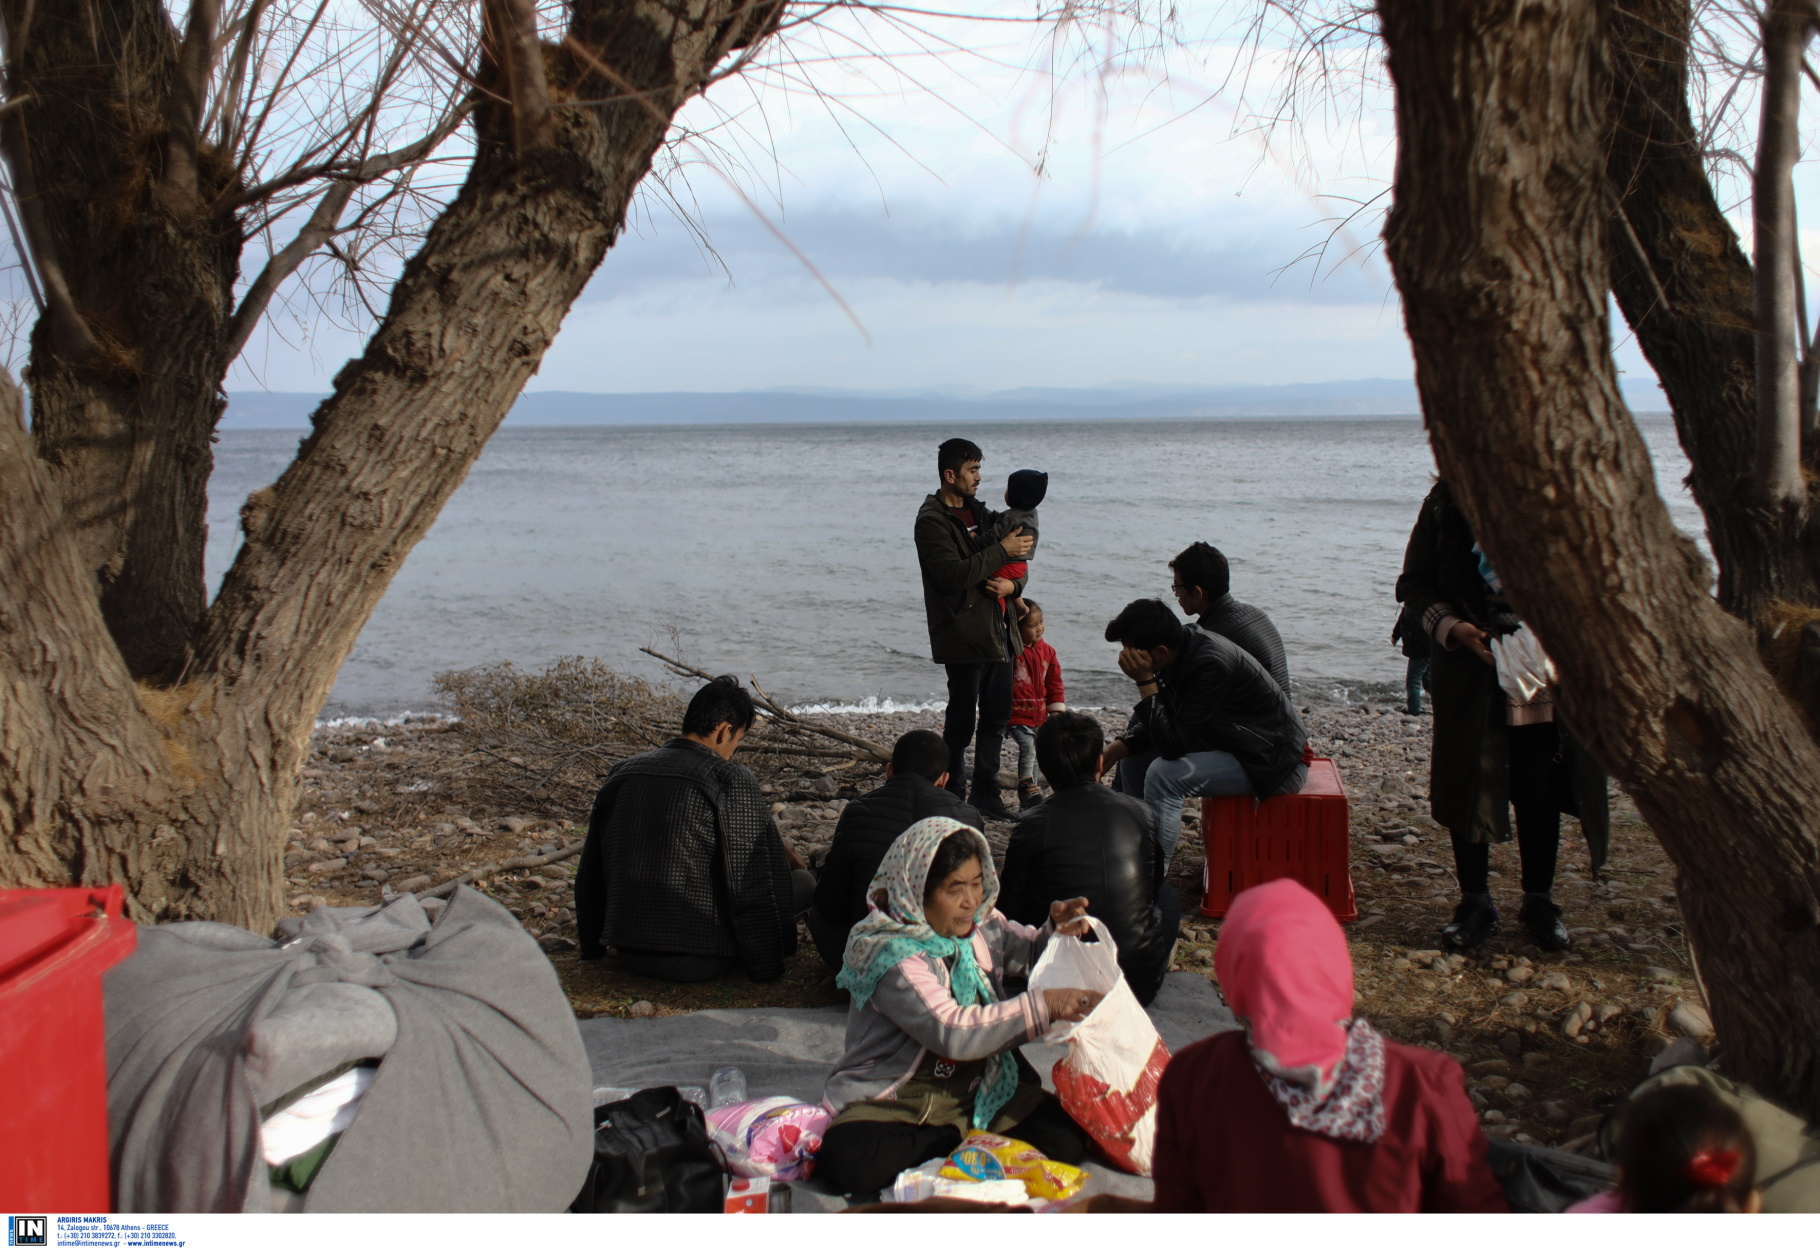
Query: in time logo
column 27, row 1230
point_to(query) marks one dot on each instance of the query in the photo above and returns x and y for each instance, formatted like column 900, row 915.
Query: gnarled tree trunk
column 1686, row 289
column 1497, row 239
column 183, row 789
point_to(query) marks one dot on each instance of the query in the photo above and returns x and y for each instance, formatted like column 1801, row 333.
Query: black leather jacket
column 868, row 826
column 1216, row 697
column 1088, row 841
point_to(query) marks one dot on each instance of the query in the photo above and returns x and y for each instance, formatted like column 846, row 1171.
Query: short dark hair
column 921, row 751
column 1203, row 565
column 956, row 849
column 1146, row 624
column 956, row 452
column 721, row 701
column 1068, row 747
column 1662, row 1131
column 1031, row 605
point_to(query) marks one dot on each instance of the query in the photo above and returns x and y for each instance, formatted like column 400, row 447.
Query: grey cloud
column 848, row 246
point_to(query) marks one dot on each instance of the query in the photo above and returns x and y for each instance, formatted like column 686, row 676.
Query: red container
column 1304, row 835
column 54, row 946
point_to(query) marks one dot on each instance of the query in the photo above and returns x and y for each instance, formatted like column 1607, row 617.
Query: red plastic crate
column 54, row 947
column 1304, row 835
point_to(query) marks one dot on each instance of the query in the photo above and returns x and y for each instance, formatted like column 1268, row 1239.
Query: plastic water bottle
column 695, row 1094
column 604, row 1094
column 726, row 1087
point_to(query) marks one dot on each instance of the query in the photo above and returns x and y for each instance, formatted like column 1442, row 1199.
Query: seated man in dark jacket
column 684, row 872
column 1219, row 723
column 1090, row 842
column 913, row 790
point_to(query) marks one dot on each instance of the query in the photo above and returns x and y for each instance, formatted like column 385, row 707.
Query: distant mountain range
column 270, row 410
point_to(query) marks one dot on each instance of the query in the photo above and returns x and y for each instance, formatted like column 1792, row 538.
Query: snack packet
column 989, row 1157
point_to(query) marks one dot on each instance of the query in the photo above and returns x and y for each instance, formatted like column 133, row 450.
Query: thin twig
column 507, row 865
column 781, row 713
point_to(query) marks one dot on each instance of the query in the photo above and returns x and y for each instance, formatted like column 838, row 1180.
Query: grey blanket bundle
column 481, row 1101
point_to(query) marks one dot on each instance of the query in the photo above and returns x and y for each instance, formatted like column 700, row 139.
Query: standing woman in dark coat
column 1492, row 753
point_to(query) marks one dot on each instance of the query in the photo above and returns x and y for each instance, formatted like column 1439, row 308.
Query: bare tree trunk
column 1498, row 242
column 1778, row 461
column 1686, row 289
column 124, row 416
column 185, row 790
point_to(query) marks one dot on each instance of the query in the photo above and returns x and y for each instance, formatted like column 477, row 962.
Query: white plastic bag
column 1524, row 669
column 1107, row 1081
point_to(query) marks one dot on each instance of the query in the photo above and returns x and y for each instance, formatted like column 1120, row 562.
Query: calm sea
column 784, row 550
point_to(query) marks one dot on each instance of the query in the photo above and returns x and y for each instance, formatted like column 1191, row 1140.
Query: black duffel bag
column 651, row 1153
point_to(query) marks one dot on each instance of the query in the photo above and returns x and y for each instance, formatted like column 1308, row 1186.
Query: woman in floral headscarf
column 931, row 1039
column 1308, row 1108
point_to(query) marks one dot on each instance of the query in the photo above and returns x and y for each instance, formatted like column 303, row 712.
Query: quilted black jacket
column 1216, row 697
column 683, row 858
column 1252, row 629
column 868, row 826
column 1087, row 841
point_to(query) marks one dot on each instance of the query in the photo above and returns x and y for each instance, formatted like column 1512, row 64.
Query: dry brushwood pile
column 498, row 796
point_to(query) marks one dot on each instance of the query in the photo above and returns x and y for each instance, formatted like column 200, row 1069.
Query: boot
column 1474, row 920
column 1029, row 794
column 1542, row 916
column 988, row 801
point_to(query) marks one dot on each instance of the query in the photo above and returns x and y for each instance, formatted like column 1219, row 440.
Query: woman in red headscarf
column 1308, row 1108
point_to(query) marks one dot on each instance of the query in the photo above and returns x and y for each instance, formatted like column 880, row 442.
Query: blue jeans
column 1025, row 736
column 1199, row 774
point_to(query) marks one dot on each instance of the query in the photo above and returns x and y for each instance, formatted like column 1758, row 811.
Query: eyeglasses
column 1179, row 588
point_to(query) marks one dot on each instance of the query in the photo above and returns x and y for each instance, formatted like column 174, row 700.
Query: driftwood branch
column 783, row 714
column 505, row 865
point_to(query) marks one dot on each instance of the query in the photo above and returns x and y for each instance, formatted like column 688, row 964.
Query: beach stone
column 1495, row 1081
column 1517, row 1093
column 1607, row 1011
column 829, row 786
column 642, row 1008
column 1495, row 1116
column 1534, row 1059
column 552, row 943
column 1511, row 1043
column 1558, row 981
column 375, row 874
column 1576, row 1020
column 324, row 866
column 413, row 884
column 1659, row 974
column 515, row 824
column 1690, row 1020
column 1517, row 1000
column 1519, row 974
column 1490, row 1065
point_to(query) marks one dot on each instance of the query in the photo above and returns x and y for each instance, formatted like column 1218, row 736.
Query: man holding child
column 970, row 633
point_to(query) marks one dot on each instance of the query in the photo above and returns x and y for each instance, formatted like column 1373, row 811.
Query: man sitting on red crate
column 1218, row 722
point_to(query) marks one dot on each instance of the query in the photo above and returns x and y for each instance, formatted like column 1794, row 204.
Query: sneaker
column 1474, row 920
column 1542, row 916
column 991, row 805
column 1029, row 794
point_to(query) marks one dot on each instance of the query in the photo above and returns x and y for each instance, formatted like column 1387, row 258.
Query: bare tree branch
column 318, row 230
column 511, row 35
column 1777, row 469
column 183, row 139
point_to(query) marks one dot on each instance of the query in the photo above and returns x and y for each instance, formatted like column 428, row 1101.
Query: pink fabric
column 1606, row 1203
column 1283, row 964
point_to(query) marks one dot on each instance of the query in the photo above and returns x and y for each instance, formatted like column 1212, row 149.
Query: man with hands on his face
column 1218, row 722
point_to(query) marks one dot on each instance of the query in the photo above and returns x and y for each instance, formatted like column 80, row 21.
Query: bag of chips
column 989, row 1157
column 775, row 1137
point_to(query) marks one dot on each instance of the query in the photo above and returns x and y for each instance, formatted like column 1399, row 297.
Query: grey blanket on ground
column 791, row 1051
column 481, row 1102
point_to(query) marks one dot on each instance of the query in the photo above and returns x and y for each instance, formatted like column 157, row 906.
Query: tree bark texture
column 1686, row 289
column 124, row 416
column 1497, row 238
column 110, row 771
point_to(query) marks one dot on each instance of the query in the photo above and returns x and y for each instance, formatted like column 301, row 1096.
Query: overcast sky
column 1157, row 244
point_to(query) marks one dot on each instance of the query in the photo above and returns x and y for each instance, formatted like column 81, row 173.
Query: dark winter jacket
column 1251, row 628
column 966, row 625
column 683, row 858
column 1089, row 841
column 1216, row 697
column 1469, row 775
column 867, row 827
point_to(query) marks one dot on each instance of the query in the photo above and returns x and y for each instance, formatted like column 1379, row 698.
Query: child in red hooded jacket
column 1036, row 691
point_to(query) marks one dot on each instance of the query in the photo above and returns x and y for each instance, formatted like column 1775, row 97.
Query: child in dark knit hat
column 1024, row 491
